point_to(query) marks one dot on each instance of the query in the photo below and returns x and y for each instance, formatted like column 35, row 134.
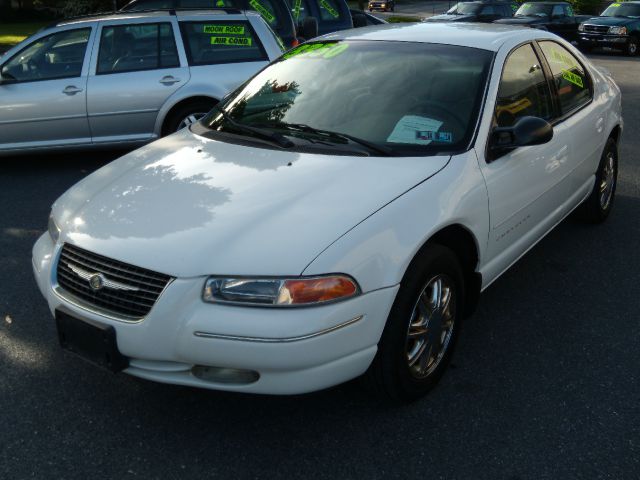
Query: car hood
column 451, row 18
column 189, row 206
column 611, row 21
column 522, row 20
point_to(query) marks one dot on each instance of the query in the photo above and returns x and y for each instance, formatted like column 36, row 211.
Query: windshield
column 407, row 98
column 534, row 9
column 622, row 10
column 465, row 9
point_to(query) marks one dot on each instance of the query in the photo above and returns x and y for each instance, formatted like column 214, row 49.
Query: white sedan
column 338, row 215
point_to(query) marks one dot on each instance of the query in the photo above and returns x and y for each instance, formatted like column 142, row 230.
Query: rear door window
column 132, row 48
column 214, row 42
column 572, row 83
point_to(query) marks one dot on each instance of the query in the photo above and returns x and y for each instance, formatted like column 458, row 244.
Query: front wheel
column 598, row 205
column 422, row 328
column 632, row 47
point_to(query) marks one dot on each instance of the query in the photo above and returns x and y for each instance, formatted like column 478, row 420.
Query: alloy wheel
column 607, row 181
column 431, row 326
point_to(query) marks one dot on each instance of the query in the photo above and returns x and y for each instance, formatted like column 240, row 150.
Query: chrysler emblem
column 96, row 281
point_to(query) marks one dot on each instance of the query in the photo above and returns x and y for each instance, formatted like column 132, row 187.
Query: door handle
column 71, row 90
column 169, row 80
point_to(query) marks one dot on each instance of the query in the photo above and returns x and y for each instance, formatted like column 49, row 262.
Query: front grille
column 126, row 291
column 596, row 28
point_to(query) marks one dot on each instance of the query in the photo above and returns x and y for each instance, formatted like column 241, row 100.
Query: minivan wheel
column 185, row 116
column 598, row 205
column 422, row 328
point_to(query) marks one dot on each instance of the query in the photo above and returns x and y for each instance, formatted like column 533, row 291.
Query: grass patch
column 12, row 33
column 403, row 19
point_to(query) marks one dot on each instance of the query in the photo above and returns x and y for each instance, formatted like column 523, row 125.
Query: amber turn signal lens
column 316, row 290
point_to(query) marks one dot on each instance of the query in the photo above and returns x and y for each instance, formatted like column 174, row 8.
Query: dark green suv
column 617, row 27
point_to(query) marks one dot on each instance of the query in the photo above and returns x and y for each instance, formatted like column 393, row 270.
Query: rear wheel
column 422, row 328
column 598, row 205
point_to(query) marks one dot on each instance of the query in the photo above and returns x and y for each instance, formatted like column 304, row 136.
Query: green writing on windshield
column 317, row 50
column 262, row 10
column 572, row 78
column 235, row 41
column 226, row 29
column 615, row 4
column 297, row 4
column 332, row 11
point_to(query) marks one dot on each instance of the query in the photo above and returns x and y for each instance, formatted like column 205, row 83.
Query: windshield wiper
column 274, row 137
column 301, row 127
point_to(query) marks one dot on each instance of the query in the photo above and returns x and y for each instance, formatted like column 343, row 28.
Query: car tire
column 185, row 116
column 432, row 289
column 598, row 205
column 632, row 47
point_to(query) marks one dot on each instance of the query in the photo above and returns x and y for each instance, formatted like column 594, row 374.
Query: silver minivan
column 125, row 79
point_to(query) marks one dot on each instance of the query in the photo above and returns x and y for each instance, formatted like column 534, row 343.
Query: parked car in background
column 478, row 11
column 382, row 5
column 337, row 215
column 556, row 17
column 365, row 19
column 275, row 12
column 330, row 15
column 125, row 79
column 617, row 27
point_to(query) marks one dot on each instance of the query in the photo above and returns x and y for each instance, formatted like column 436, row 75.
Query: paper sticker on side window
column 225, row 29
column 327, row 6
column 242, row 42
column 573, row 78
column 262, row 10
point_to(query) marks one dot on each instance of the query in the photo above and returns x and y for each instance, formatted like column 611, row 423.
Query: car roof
column 151, row 14
column 486, row 36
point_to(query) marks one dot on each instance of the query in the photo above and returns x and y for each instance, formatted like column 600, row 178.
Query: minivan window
column 213, row 42
column 131, row 48
column 59, row 55
column 523, row 90
column 569, row 76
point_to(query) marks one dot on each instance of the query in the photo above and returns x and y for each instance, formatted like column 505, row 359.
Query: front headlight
column 581, row 27
column 54, row 229
column 618, row 30
column 279, row 292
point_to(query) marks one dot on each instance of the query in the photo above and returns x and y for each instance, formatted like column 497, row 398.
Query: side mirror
column 359, row 20
column 526, row 132
column 309, row 28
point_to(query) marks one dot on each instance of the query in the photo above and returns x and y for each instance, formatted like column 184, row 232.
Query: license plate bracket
column 93, row 341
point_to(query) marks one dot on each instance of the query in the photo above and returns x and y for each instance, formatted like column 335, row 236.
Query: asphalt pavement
column 545, row 383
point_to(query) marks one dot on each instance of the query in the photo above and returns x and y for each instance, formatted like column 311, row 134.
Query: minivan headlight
column 54, row 229
column 279, row 292
column 618, row 30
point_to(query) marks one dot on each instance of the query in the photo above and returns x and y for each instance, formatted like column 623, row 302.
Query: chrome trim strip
column 46, row 119
column 126, row 112
column 278, row 340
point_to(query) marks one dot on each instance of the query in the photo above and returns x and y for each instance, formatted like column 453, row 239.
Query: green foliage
column 403, row 19
column 587, row 7
column 70, row 8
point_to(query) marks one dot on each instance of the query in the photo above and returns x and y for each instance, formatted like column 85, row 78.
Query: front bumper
column 293, row 350
column 602, row 40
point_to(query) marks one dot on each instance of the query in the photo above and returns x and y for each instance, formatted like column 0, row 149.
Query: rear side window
column 488, row 10
column 523, row 90
column 131, row 48
column 213, row 42
column 571, row 81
